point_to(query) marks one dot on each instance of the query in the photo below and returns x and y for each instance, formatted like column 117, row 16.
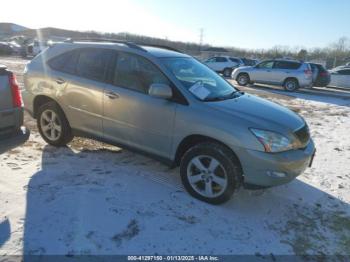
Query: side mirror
column 160, row 91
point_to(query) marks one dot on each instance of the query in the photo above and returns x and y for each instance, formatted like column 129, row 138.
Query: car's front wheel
column 210, row 172
column 53, row 125
column 243, row 79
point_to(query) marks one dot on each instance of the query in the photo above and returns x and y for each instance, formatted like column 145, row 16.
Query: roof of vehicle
column 154, row 50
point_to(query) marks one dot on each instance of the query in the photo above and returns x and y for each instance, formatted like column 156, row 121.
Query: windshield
column 200, row 80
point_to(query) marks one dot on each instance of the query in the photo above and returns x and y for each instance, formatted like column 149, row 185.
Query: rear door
column 131, row 116
column 82, row 78
column 282, row 70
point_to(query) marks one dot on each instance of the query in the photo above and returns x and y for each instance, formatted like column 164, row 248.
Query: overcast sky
column 239, row 23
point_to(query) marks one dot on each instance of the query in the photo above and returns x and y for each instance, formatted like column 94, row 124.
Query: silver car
column 167, row 105
column 340, row 77
column 287, row 73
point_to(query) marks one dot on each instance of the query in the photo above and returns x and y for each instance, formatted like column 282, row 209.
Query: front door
column 262, row 72
column 131, row 116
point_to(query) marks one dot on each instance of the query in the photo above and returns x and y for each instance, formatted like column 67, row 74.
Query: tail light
column 325, row 73
column 16, row 93
column 308, row 72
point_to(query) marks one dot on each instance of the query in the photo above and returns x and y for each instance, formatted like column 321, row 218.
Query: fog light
column 276, row 174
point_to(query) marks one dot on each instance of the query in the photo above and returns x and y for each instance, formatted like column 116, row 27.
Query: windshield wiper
column 232, row 95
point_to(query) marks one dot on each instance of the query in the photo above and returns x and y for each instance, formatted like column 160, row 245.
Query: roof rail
column 161, row 46
column 129, row 44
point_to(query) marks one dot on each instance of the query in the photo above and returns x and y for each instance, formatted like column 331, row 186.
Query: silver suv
column 170, row 106
column 288, row 73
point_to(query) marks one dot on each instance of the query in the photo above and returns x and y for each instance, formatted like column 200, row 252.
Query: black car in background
column 320, row 76
column 12, row 132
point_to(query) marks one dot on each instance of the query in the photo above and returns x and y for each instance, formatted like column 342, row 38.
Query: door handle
column 60, row 81
column 111, row 95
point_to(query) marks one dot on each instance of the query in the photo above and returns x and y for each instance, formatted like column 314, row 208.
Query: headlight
column 273, row 142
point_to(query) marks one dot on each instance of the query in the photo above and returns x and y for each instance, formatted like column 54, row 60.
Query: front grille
column 303, row 134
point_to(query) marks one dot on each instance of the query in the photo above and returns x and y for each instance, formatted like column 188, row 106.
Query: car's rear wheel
column 227, row 72
column 53, row 125
column 243, row 79
column 210, row 172
column 291, row 85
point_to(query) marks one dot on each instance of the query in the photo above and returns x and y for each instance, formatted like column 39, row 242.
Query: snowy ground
column 90, row 198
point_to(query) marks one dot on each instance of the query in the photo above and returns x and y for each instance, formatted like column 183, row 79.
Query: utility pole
column 201, row 37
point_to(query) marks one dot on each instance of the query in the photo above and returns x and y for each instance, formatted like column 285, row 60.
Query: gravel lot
column 91, row 198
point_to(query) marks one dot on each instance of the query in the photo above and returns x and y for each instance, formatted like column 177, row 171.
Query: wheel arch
column 41, row 100
column 290, row 78
column 195, row 139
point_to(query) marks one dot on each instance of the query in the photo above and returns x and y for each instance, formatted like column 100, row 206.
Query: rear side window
column 93, row 62
column 137, row 73
column 66, row 62
column 287, row 65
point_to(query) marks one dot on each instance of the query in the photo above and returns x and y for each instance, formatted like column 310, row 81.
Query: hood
column 260, row 113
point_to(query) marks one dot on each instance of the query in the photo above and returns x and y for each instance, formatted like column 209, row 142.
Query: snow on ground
column 91, row 198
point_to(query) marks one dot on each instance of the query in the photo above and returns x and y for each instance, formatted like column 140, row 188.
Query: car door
column 84, row 83
column 262, row 72
column 282, row 70
column 131, row 116
column 344, row 78
column 211, row 62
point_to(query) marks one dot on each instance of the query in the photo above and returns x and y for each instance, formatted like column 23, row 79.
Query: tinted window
column 266, row 64
column 287, row 65
column 221, row 59
column 66, row 62
column 137, row 73
column 93, row 62
column 344, row 72
column 235, row 60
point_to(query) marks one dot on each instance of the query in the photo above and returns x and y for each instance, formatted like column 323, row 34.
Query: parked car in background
column 249, row 62
column 12, row 132
column 34, row 48
column 340, row 77
column 5, row 48
column 320, row 76
column 224, row 64
column 153, row 100
column 290, row 74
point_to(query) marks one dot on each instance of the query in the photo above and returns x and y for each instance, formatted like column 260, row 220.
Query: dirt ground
column 92, row 198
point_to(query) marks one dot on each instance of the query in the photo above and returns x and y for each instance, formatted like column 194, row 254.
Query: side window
column 92, row 63
column 211, row 60
column 65, row 62
column 265, row 65
column 344, row 72
column 137, row 73
column 221, row 59
column 287, row 65
column 235, row 60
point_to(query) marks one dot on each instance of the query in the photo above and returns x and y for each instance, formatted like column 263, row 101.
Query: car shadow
column 5, row 231
column 106, row 202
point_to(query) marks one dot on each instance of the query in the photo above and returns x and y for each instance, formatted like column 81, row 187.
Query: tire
column 291, row 85
column 51, row 117
column 243, row 79
column 205, row 182
column 227, row 72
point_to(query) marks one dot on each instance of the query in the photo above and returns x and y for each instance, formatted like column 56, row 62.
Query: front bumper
column 271, row 169
column 20, row 137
